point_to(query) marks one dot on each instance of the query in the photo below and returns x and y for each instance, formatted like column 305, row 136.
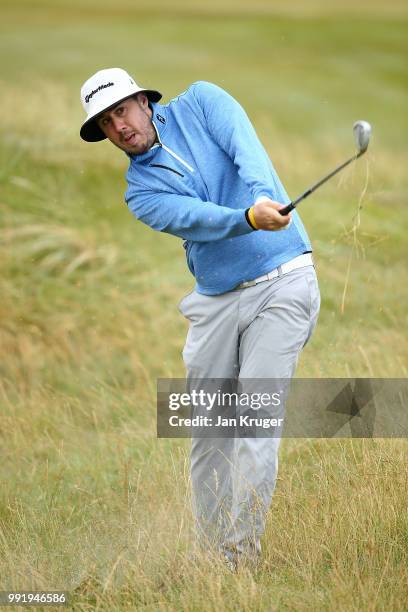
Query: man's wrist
column 249, row 215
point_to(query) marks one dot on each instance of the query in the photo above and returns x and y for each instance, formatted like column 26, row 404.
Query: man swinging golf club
column 197, row 170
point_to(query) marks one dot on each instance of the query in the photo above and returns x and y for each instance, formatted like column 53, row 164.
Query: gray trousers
column 256, row 332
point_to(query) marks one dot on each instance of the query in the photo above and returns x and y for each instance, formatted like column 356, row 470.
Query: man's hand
column 267, row 217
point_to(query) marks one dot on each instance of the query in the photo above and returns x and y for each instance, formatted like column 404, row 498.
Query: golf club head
column 362, row 133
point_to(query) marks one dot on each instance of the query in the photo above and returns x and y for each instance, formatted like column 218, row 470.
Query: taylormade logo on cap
column 94, row 91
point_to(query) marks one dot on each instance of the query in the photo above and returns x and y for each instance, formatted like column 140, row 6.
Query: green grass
column 89, row 498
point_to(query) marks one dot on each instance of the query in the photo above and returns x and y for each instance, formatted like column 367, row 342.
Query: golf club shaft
column 292, row 205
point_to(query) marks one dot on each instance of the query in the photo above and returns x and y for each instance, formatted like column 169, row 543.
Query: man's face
column 129, row 125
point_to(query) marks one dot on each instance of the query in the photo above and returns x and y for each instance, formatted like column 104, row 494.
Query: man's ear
column 143, row 100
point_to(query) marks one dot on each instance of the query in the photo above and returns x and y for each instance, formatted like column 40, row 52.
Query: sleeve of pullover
column 186, row 217
column 231, row 128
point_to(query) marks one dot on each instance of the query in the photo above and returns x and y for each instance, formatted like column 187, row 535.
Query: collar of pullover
column 159, row 120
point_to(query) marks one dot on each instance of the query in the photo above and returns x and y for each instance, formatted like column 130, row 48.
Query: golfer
column 197, row 170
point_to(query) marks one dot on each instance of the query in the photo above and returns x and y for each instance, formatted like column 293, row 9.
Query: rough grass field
column 90, row 501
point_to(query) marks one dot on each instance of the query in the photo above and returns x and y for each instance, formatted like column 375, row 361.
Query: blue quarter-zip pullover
column 197, row 181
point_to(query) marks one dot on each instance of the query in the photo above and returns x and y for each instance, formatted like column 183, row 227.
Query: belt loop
column 279, row 269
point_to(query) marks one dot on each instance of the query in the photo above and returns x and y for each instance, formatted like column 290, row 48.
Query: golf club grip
column 286, row 210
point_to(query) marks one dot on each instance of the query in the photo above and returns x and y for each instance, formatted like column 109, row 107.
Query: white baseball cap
column 105, row 89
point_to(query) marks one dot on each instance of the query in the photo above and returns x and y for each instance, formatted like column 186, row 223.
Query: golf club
column 362, row 133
